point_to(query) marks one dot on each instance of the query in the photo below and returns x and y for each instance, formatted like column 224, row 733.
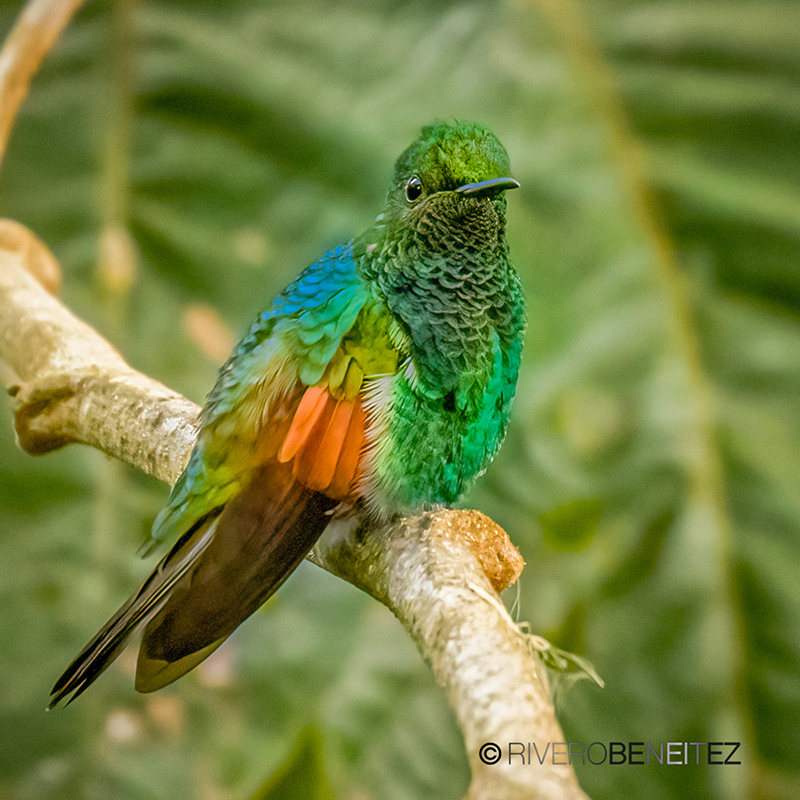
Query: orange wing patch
column 311, row 408
column 325, row 440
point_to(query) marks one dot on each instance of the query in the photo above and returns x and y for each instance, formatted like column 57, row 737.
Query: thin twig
column 30, row 40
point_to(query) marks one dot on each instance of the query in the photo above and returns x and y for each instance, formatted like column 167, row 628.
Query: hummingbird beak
column 484, row 187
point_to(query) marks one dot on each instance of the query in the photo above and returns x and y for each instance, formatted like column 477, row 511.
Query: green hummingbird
column 378, row 383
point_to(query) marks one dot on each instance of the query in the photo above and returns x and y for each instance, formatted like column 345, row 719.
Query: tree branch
column 438, row 572
column 31, row 39
column 70, row 385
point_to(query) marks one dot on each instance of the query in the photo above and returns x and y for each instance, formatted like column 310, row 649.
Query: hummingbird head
column 450, row 169
column 438, row 251
column 448, row 191
column 447, row 201
column 462, row 157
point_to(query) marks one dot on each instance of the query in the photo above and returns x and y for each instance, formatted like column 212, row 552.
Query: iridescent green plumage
column 379, row 382
column 440, row 265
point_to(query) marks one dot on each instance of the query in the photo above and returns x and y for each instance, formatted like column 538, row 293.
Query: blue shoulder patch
column 306, row 323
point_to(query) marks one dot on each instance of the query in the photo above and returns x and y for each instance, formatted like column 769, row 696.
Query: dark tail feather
column 110, row 640
column 260, row 538
column 215, row 576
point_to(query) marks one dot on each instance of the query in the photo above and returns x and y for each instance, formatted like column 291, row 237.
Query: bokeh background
column 184, row 160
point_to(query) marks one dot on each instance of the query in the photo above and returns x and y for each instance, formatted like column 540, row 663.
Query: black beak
column 484, row 187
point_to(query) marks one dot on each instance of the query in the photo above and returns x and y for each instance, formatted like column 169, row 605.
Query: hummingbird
column 378, row 383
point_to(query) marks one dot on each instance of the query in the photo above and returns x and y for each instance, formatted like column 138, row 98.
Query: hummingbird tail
column 259, row 539
column 110, row 640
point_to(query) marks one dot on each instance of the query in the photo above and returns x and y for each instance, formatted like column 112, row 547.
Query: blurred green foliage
column 302, row 777
column 175, row 153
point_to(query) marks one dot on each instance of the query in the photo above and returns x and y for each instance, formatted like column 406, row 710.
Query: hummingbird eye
column 413, row 189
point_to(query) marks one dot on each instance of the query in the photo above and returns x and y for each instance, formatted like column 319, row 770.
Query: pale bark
column 70, row 385
column 425, row 569
column 31, row 39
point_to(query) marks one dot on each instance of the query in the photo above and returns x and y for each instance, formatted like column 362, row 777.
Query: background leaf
column 302, row 777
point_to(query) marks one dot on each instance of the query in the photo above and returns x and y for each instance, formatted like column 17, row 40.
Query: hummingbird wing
column 281, row 443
